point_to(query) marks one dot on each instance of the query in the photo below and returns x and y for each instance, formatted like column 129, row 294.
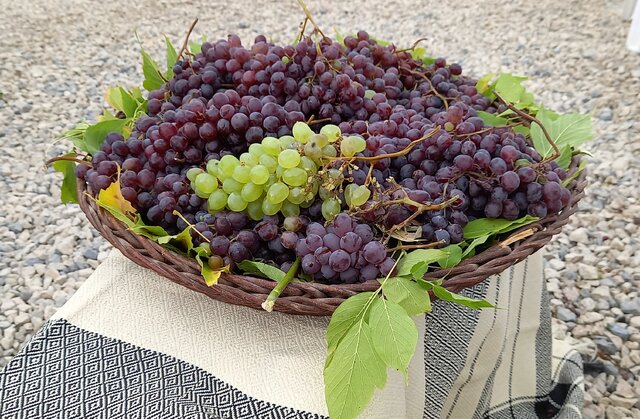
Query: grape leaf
column 564, row 160
column 172, row 57
column 183, row 238
column 574, row 175
column 393, row 333
column 407, row 294
column 348, row 313
column 68, row 191
column 491, row 226
column 446, row 295
column 483, row 85
column 268, row 271
column 475, row 243
column 76, row 136
column 419, row 269
column 353, row 373
column 196, row 47
column 112, row 198
column 570, row 130
column 95, row 134
column 492, row 119
column 453, row 256
column 211, row 276
column 414, row 257
column 122, row 100
column 152, row 76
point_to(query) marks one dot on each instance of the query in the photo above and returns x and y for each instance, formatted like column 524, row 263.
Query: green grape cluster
column 276, row 175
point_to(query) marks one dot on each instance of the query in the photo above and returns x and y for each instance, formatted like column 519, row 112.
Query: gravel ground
column 59, row 56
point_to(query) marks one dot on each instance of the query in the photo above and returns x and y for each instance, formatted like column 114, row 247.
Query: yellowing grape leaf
column 112, row 198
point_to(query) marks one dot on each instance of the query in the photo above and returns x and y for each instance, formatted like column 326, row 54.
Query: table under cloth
column 132, row 344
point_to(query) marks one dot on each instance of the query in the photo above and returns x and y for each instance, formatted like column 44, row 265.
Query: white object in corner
column 633, row 40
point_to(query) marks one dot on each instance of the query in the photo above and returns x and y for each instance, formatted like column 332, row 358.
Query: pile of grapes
column 333, row 152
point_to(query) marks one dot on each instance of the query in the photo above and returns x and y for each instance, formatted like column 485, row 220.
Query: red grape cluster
column 425, row 147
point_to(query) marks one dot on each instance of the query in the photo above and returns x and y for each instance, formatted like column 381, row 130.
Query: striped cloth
column 131, row 344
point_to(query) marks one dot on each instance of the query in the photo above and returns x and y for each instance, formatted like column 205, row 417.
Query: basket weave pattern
column 308, row 298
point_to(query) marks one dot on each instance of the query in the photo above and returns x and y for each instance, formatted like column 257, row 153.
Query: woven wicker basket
column 319, row 299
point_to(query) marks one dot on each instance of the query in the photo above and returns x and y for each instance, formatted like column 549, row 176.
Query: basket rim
column 255, row 289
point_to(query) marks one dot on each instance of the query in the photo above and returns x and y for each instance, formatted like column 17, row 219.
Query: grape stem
column 186, row 38
column 277, row 290
column 420, row 209
column 435, row 92
column 400, row 153
column 415, row 44
column 191, row 226
column 68, row 158
column 310, row 18
column 531, row 118
column 415, row 246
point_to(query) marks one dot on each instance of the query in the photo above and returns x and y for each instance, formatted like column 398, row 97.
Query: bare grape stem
column 531, row 118
column 186, row 38
column 277, row 290
column 68, row 158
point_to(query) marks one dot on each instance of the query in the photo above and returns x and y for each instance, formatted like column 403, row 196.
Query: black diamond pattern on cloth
column 68, row 372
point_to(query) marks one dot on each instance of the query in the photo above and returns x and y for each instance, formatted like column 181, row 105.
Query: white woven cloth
column 137, row 336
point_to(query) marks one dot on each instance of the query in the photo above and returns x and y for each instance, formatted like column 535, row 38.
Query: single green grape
column 358, row 144
column 256, row 150
column 213, row 167
column 254, row 210
column 330, row 208
column 248, row 159
column 231, row 185
column 277, row 193
column 286, row 141
column 259, row 174
column 269, row 162
column 320, row 139
column 347, row 147
column 332, row 132
column 271, row 146
column 250, row 192
column 329, row 151
column 269, row 208
column 217, row 200
column 307, row 164
column 325, row 193
column 242, row 174
column 289, row 209
column 206, row 183
column 235, row 202
column 280, row 171
column 295, row 176
column 193, row 173
column 313, row 151
column 289, row 158
column 356, row 195
column 301, row 132
column 297, row 195
column 228, row 164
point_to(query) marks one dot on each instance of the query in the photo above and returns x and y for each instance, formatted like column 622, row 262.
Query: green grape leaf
column 172, row 57
column 574, row 175
column 263, row 269
column 475, row 243
column 353, row 374
column 491, row 119
column 183, row 239
column 394, row 334
column 564, row 160
column 408, row 294
column 483, row 86
column 446, row 295
column 154, row 233
column 570, row 130
column 417, row 256
column 196, row 47
column 95, row 134
column 76, row 136
column 419, row 269
column 491, row 226
column 152, row 76
column 453, row 256
column 68, row 191
column 348, row 313
column 122, row 100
